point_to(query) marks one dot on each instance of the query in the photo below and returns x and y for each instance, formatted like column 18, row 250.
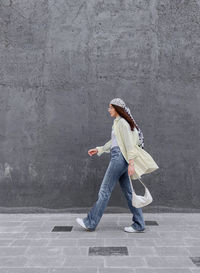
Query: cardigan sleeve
column 104, row 149
column 130, row 139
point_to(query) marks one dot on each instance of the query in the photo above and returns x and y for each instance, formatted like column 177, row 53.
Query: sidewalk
column 28, row 244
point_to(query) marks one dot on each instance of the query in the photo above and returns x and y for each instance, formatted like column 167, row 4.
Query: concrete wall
column 61, row 62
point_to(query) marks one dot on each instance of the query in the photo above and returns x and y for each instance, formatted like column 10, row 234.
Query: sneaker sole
column 136, row 231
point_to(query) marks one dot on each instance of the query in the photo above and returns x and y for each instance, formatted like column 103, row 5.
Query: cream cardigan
column 128, row 143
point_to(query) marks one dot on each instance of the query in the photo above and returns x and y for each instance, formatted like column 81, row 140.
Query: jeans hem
column 89, row 229
column 137, row 228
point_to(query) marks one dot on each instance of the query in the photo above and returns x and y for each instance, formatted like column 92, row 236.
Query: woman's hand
column 92, row 152
column 131, row 170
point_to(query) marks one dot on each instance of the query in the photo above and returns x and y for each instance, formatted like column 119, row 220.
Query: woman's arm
column 104, row 149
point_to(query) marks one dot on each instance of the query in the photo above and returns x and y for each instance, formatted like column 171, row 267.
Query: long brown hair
column 124, row 115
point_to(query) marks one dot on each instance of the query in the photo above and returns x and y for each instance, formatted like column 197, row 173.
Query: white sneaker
column 81, row 223
column 131, row 229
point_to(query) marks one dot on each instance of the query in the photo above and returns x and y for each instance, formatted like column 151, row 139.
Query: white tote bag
column 139, row 201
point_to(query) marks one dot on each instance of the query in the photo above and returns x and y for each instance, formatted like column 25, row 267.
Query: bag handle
column 138, row 179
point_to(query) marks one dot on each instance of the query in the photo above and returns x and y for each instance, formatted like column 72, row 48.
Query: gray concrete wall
column 61, row 62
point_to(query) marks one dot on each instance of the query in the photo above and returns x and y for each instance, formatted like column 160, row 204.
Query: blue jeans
column 117, row 171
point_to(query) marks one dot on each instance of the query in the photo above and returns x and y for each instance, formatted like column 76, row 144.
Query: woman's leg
column 137, row 218
column 111, row 178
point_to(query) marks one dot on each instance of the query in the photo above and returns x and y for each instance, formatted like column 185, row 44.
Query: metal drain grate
column 62, row 228
column 196, row 260
column 108, row 251
column 151, row 223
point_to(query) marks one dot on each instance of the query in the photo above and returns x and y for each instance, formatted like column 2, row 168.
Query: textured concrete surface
column 28, row 245
column 62, row 61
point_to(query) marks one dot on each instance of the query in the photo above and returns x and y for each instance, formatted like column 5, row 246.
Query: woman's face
column 112, row 111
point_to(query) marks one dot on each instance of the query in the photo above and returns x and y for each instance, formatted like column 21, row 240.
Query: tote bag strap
column 132, row 185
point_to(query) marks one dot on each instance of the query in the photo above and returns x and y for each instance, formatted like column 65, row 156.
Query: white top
column 113, row 139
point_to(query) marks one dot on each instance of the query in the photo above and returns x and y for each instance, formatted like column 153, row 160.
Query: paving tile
column 103, row 224
column 169, row 242
column 163, row 270
column 195, row 270
column 52, row 224
column 41, row 235
column 194, row 250
column 12, row 251
column 149, row 234
column 83, row 261
column 144, row 241
column 74, row 250
column 91, row 242
column 191, row 241
column 45, row 261
column 14, row 229
column 11, row 223
column 44, row 251
column 125, row 261
column 169, row 262
column 171, row 251
column 119, row 242
column 33, row 223
column 178, row 220
column 111, row 234
column 194, row 234
column 29, row 242
column 74, row 270
column 108, row 251
column 14, row 261
column 78, row 234
column 6, row 242
column 174, row 234
column 11, row 235
column 116, row 270
column 109, row 228
column 63, row 242
column 24, row 270
column 141, row 251
column 37, row 229
column 187, row 228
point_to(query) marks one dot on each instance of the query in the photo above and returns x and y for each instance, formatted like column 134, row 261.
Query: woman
column 127, row 158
